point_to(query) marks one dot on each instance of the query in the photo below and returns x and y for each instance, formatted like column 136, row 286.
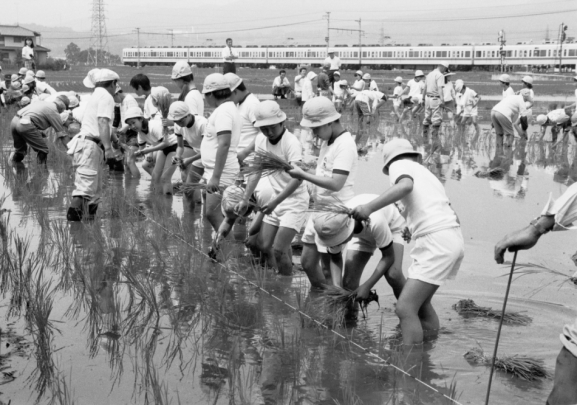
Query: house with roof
column 12, row 39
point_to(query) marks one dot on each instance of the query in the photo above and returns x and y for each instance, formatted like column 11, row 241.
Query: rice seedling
column 163, row 102
column 264, row 163
column 306, row 166
column 496, row 173
column 523, row 367
column 468, row 307
column 337, row 207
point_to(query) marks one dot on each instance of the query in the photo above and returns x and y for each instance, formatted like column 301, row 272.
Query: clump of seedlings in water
column 469, row 308
column 336, row 302
column 496, row 173
column 523, row 367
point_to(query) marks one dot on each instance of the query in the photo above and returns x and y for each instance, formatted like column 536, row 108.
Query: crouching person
column 285, row 212
column 91, row 146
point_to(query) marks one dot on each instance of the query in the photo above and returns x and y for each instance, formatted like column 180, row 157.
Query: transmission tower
column 382, row 35
column 547, row 35
column 99, row 36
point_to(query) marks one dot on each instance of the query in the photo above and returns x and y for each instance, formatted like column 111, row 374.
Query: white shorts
column 569, row 337
column 437, row 256
column 417, row 99
column 369, row 245
column 291, row 213
column 226, row 179
column 471, row 112
column 309, row 234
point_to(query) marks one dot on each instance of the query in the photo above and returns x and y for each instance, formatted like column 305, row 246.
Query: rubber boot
column 42, row 158
column 74, row 214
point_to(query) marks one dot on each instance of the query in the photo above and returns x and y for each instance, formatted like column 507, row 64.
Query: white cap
column 25, row 88
column 505, row 78
column 268, row 113
column 331, row 50
column 214, row 82
column 40, row 74
column 178, row 110
column 444, row 63
column 28, row 79
column 398, row 79
column 319, row 111
column 157, row 92
column 459, row 85
column 91, row 78
column 24, row 101
column 419, row 73
column 22, row 71
column 74, row 102
column 180, row 69
column 14, row 77
column 527, row 79
column 133, row 112
column 367, row 76
column 106, row 75
column 336, row 72
column 233, row 80
column 16, row 85
column 359, row 72
column 343, row 83
column 64, row 115
column 30, row 73
column 541, row 119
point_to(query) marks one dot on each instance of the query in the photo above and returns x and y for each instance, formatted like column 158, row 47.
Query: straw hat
column 319, row 111
column 268, row 113
column 397, row 147
column 332, row 229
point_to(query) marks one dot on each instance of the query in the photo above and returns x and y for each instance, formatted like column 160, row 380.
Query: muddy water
column 139, row 316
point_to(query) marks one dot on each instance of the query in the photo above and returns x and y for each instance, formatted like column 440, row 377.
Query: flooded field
column 129, row 309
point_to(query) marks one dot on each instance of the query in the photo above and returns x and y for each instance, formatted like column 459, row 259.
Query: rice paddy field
column 129, row 309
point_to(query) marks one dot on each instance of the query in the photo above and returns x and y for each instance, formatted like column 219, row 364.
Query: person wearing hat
column 299, row 83
column 522, row 123
column 29, row 123
column 558, row 215
column 433, row 225
column 342, row 95
column 558, row 119
column 281, row 85
column 370, row 83
column 30, row 91
column 334, row 63
column 334, row 177
column 183, row 77
column 397, row 100
column 505, row 81
column 433, row 99
column 467, row 111
column 22, row 73
column 151, row 132
column 384, row 231
column 246, row 103
column 41, row 85
column 505, row 113
column 359, row 84
column 220, row 143
column 189, row 130
column 127, row 137
column 309, row 86
column 324, row 84
column 367, row 103
column 229, row 55
column 14, row 92
column 413, row 94
column 286, row 211
column 92, row 146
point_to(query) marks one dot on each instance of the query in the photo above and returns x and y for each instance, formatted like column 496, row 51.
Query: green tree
column 72, row 53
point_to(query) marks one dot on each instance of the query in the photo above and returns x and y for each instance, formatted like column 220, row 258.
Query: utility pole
column 138, row 48
column 502, row 41
column 327, row 16
column 547, row 39
column 360, row 44
column 562, row 36
column 171, row 38
column 382, row 35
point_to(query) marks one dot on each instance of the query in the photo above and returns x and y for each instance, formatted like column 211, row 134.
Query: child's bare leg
column 282, row 250
column 415, row 311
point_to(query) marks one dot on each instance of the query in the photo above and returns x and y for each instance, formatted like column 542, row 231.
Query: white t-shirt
column 382, row 225
column 467, row 100
column 290, row 149
column 449, row 92
column 341, row 156
column 511, row 107
column 224, row 118
column 149, row 110
column 370, row 97
column 508, row 92
column 248, row 131
column 373, row 86
column 427, row 208
column 358, row 83
column 195, row 102
column 193, row 135
column 558, row 116
column 299, row 81
column 43, row 87
column 416, row 87
column 27, row 53
column 100, row 105
column 397, row 92
column 335, row 62
column 226, row 52
column 308, row 92
column 337, row 91
column 155, row 134
column 277, row 82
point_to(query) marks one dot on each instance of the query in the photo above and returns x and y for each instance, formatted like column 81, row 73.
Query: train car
column 464, row 57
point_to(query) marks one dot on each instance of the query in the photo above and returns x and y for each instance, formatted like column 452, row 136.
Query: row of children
column 24, row 87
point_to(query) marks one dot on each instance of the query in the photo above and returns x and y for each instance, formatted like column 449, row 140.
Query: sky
column 297, row 21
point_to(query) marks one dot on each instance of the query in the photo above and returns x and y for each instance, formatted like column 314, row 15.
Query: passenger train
column 463, row 57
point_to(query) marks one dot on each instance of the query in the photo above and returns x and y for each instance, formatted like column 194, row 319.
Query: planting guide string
column 252, row 283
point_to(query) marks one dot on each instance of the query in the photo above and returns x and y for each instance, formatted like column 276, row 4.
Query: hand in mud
column 519, row 240
column 406, row 234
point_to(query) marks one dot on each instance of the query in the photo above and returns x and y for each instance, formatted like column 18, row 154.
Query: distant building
column 12, row 39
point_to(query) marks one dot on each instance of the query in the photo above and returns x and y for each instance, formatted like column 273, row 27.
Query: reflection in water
column 163, row 318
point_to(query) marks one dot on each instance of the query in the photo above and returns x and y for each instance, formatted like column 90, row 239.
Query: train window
column 441, row 54
column 170, row 54
column 467, row 54
column 207, row 54
column 364, row 54
column 572, row 52
column 564, row 52
column 508, row 53
column 413, row 54
column 154, row 54
column 355, row 54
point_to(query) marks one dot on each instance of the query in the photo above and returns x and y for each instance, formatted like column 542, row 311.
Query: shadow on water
column 131, row 302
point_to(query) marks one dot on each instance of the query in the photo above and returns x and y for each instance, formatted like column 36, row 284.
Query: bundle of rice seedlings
column 264, row 163
column 496, row 173
column 336, row 207
column 333, row 304
column 468, row 307
column 523, row 367
column 306, row 166
column 163, row 102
